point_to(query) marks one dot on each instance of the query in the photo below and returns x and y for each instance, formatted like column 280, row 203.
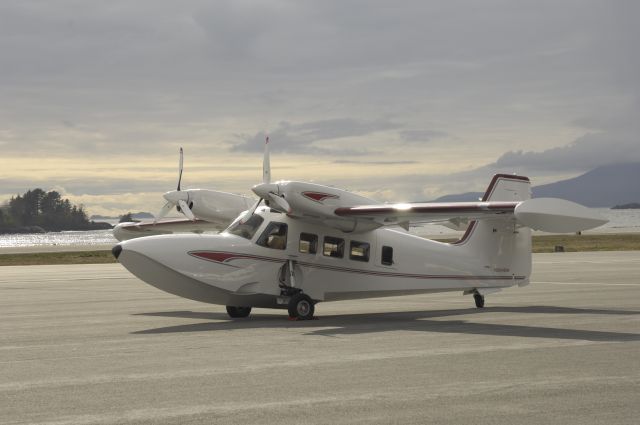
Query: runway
column 91, row 344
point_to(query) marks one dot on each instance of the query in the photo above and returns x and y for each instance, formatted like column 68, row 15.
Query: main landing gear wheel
column 237, row 312
column 301, row 307
column 479, row 299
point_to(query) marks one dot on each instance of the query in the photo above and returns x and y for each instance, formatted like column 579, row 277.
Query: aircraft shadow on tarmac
column 418, row 321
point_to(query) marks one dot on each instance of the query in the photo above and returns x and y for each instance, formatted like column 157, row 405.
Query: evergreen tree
column 45, row 209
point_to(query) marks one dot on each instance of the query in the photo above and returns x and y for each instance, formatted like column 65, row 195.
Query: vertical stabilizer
column 501, row 245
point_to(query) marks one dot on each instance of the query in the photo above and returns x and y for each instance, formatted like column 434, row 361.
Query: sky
column 399, row 101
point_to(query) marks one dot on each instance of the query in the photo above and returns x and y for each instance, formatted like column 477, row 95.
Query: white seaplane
column 204, row 209
column 311, row 243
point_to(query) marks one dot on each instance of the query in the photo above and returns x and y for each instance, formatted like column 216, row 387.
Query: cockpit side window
column 274, row 236
column 246, row 229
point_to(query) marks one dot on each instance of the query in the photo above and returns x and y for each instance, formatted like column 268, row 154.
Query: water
column 71, row 238
column 620, row 221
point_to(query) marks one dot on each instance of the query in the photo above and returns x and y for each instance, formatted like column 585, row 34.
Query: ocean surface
column 620, row 221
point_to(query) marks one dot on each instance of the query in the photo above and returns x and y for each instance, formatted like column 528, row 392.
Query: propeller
column 177, row 198
column 267, row 191
column 180, row 164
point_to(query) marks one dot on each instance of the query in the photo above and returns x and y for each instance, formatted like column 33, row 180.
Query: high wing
column 402, row 214
column 546, row 214
column 130, row 230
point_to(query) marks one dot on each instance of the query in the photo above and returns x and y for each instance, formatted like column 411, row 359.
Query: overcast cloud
column 423, row 97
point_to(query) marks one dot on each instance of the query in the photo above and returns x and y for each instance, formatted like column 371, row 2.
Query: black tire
column 237, row 312
column 479, row 299
column 301, row 307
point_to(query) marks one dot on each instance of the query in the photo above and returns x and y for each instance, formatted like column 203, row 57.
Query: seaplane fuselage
column 255, row 263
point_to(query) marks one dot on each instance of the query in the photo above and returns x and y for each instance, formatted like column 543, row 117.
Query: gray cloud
column 587, row 152
column 303, row 138
column 613, row 137
column 346, row 161
column 421, row 135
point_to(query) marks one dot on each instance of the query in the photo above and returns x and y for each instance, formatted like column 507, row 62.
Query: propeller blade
column 251, row 211
column 186, row 210
column 164, row 211
column 266, row 164
column 282, row 204
column 180, row 169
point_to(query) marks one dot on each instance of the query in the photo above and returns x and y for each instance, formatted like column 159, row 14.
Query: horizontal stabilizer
column 557, row 215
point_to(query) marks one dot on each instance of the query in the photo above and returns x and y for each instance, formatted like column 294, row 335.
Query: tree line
column 37, row 210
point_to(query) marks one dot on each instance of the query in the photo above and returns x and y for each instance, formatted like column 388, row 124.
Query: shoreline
column 40, row 249
column 101, row 253
column 445, row 235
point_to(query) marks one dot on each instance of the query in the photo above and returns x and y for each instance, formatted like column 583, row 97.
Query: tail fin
column 499, row 243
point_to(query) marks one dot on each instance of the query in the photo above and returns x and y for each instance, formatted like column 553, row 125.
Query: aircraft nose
column 116, row 250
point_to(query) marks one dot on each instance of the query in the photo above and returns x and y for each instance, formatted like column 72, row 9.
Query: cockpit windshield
column 246, row 229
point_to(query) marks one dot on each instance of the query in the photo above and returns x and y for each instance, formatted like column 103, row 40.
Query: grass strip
column 62, row 257
column 575, row 243
column 543, row 243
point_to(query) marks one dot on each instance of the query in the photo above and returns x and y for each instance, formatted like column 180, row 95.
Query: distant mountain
column 142, row 215
column 604, row 186
column 461, row 197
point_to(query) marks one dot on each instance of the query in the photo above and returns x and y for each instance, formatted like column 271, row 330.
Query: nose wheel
column 479, row 299
column 301, row 307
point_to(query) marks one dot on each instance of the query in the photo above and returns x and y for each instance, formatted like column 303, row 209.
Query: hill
column 604, row 186
column 138, row 216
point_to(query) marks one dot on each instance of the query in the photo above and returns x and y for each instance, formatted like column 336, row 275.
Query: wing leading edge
column 400, row 214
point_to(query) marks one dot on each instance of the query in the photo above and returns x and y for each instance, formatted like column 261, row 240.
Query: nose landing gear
column 301, row 307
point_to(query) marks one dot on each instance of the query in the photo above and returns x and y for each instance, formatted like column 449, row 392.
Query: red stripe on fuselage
column 226, row 257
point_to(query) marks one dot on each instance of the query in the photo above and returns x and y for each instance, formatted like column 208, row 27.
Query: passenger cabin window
column 246, row 229
column 308, row 243
column 359, row 251
column 274, row 236
column 333, row 247
column 387, row 255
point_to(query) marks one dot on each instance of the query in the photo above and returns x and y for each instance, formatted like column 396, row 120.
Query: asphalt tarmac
column 90, row 344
